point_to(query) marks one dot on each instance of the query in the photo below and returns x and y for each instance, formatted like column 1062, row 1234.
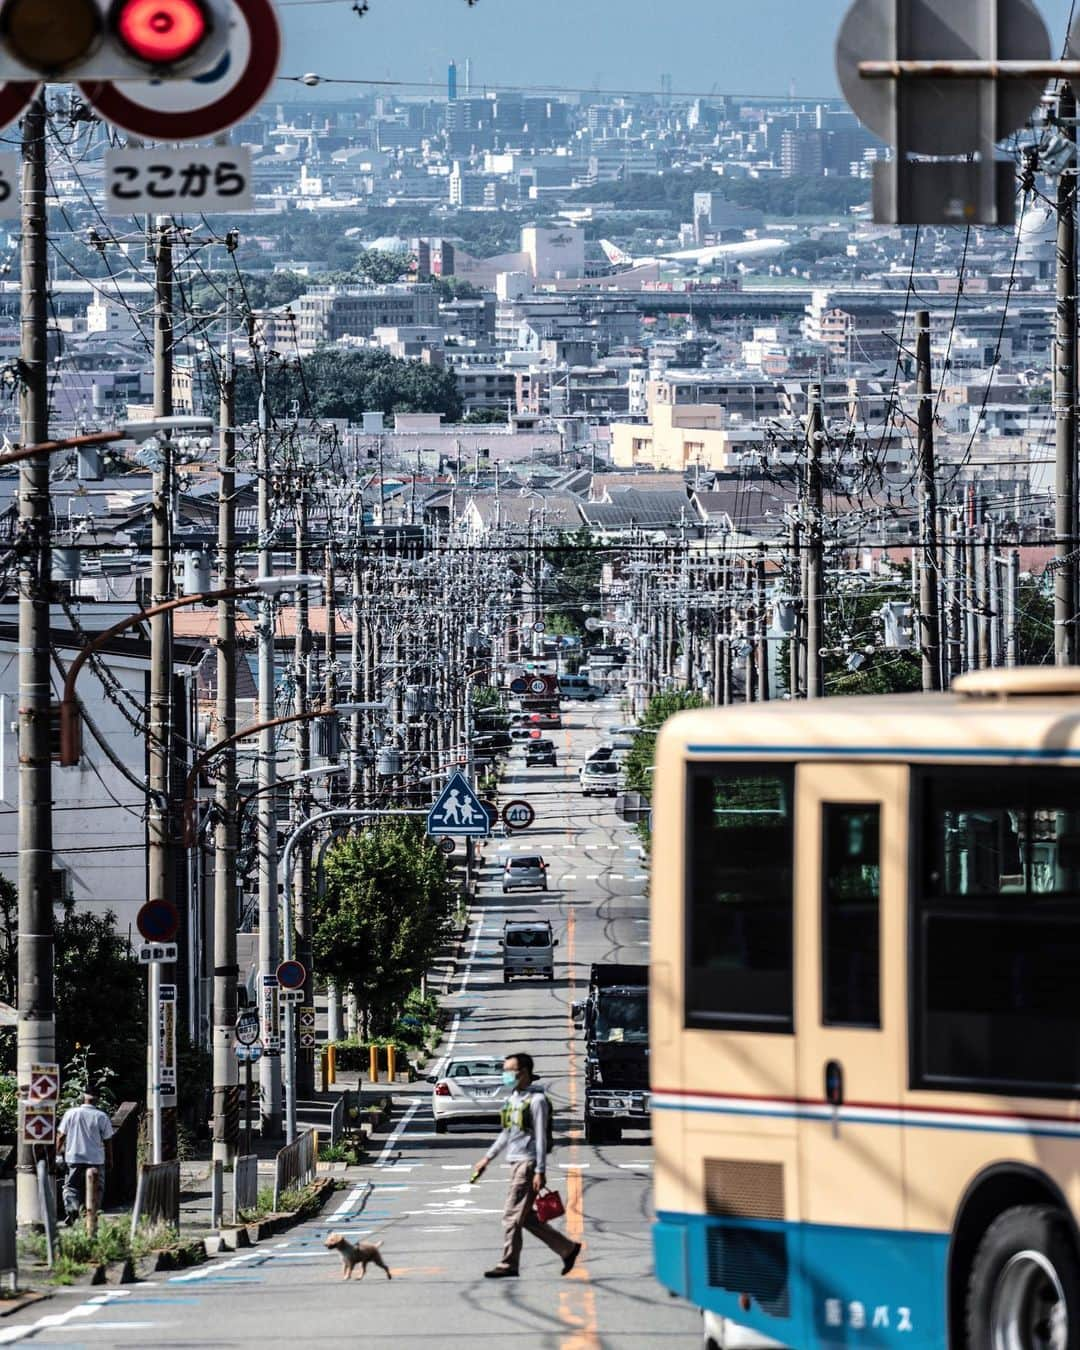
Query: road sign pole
column 154, row 1013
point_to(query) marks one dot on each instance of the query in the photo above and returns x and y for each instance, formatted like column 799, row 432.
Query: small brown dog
column 356, row 1253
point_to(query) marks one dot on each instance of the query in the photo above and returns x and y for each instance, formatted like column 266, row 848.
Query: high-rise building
column 451, row 82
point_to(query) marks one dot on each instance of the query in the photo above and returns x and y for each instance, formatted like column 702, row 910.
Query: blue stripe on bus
column 847, row 1117
column 894, row 751
column 814, row 1286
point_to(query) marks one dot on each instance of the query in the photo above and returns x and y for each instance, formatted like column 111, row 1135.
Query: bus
column 865, row 1017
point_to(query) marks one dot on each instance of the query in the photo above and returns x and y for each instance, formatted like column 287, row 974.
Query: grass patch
column 77, row 1251
column 351, row 1154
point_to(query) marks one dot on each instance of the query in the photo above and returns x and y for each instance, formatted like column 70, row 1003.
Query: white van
column 579, row 686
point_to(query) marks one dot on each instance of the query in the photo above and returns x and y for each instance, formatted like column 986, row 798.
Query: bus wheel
column 1024, row 1286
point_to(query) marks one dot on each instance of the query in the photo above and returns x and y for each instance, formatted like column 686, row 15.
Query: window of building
column 996, row 924
column 739, row 897
column 850, row 918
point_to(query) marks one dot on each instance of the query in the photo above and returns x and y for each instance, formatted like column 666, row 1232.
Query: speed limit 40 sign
column 518, row 815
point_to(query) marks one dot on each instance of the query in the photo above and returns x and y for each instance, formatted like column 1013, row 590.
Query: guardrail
column 157, row 1195
column 326, row 1117
column 294, row 1165
column 245, row 1188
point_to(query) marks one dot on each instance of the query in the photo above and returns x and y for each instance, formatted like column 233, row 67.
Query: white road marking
column 207, row 1271
column 616, row 876
column 400, row 1128
column 354, row 1198
column 59, row 1321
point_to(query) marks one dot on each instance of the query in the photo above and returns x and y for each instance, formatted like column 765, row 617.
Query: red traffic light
column 161, row 32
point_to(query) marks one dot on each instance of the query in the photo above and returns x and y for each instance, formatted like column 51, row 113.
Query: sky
column 721, row 46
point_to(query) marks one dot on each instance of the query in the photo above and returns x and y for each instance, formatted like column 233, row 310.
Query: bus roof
column 1001, row 716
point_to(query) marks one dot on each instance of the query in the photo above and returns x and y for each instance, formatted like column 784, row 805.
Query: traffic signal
column 88, row 40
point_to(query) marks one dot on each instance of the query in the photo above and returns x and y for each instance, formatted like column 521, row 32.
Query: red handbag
column 548, row 1205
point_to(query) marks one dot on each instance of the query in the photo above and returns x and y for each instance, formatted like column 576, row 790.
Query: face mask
column 509, row 1078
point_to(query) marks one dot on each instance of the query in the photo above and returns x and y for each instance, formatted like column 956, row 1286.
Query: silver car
column 528, row 872
column 467, row 1090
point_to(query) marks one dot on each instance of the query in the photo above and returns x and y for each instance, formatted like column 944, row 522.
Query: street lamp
column 70, row 724
column 289, row 1038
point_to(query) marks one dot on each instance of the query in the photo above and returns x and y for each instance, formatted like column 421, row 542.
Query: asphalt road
column 440, row 1233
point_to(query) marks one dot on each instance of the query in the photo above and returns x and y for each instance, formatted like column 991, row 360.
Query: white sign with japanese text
column 209, row 178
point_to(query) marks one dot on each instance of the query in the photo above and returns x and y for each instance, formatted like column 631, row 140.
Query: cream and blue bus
column 865, row 1017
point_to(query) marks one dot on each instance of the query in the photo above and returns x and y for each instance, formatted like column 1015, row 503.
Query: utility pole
column 226, row 1121
column 37, row 1010
column 269, row 930
column 762, row 626
column 929, row 614
column 159, row 879
column 1065, row 572
column 303, row 1083
column 333, row 1011
column 815, row 570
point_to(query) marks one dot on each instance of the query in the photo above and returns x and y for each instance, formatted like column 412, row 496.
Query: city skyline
column 706, row 48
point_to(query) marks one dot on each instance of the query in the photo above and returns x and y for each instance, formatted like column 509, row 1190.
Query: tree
column 100, row 993
column 575, row 563
column 382, row 268
column 385, row 912
column 486, row 417
column 346, row 384
column 637, row 766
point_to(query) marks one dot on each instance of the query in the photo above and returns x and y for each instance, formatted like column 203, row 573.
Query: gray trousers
column 518, row 1216
column 75, row 1186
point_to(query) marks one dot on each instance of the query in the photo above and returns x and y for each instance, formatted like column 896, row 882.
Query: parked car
column 525, row 873
column 540, row 751
column 467, row 1090
column 579, row 686
column 600, row 778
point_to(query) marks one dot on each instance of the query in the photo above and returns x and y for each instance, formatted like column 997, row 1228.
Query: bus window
column 850, row 919
column 740, row 844
column 997, row 927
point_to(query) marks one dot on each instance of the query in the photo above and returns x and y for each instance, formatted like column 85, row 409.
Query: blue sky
column 737, row 46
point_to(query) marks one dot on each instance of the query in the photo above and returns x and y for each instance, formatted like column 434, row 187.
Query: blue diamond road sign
column 459, row 813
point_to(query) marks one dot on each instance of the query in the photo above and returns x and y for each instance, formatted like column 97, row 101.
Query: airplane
column 745, row 250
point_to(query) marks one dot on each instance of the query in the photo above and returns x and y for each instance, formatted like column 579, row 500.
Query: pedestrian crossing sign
column 459, row 812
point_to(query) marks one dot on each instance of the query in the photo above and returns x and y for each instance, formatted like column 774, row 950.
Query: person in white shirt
column 84, row 1141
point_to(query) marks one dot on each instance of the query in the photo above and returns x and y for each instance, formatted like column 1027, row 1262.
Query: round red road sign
column 158, row 921
column 291, row 975
column 519, row 815
column 192, row 109
column 15, row 95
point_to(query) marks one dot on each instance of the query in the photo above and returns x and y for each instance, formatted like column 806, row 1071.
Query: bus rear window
column 997, row 927
column 739, row 897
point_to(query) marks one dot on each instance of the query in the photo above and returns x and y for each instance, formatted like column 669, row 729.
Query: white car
column 600, row 778
column 467, row 1090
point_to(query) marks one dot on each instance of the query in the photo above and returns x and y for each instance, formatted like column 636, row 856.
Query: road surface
column 440, row 1233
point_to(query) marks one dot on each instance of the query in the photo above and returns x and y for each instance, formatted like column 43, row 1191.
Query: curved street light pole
column 288, row 935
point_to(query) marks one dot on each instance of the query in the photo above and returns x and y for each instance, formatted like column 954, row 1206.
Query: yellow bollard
column 315, row 1146
column 331, row 1064
column 373, row 1065
column 391, row 1064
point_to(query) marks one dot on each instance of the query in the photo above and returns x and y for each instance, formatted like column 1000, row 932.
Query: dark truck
column 616, row 1022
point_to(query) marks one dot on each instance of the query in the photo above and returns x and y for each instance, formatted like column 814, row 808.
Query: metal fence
column 245, row 1194
column 328, row 1117
column 157, row 1194
column 295, row 1165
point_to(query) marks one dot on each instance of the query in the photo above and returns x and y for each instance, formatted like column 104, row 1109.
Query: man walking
column 526, row 1117
column 84, row 1141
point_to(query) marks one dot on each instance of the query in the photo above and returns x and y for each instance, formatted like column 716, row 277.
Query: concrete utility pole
column 37, row 1015
column 330, row 698
column 305, row 1059
column 929, row 613
column 815, row 568
column 1065, row 571
column 269, row 931
column 159, row 878
column 226, row 1118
